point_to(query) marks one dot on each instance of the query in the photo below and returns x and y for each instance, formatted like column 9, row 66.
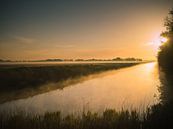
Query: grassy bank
column 24, row 76
column 156, row 117
column 25, row 80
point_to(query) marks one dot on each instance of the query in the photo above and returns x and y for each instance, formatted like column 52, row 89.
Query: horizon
column 79, row 59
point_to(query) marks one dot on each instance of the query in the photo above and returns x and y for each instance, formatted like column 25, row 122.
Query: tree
column 165, row 55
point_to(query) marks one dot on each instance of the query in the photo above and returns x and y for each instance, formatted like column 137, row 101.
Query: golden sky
column 40, row 30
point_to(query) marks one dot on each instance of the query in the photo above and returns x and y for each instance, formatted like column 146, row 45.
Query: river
column 128, row 88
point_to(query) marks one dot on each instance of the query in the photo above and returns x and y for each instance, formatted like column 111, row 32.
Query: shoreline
column 72, row 74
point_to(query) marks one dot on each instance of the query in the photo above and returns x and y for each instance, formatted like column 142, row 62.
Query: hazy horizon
column 36, row 30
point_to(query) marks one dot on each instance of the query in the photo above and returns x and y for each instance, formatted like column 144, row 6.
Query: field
column 33, row 78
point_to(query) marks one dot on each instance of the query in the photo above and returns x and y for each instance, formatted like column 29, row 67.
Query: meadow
column 15, row 77
column 24, row 80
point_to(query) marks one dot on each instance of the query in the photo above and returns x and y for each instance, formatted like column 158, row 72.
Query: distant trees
column 1, row 60
column 165, row 55
column 73, row 60
column 114, row 59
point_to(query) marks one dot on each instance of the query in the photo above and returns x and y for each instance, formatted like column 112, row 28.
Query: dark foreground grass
column 156, row 117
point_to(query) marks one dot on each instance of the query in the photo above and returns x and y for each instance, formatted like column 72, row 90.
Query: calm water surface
column 133, row 87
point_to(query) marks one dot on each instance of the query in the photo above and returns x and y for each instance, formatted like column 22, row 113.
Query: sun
column 163, row 40
column 160, row 41
column 157, row 43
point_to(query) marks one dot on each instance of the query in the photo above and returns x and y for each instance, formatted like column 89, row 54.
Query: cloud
column 22, row 39
column 149, row 44
column 65, row 46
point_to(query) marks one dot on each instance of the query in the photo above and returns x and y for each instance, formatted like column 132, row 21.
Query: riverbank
column 158, row 116
column 23, row 76
column 33, row 78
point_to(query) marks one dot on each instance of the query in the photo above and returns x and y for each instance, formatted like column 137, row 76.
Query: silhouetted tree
column 165, row 55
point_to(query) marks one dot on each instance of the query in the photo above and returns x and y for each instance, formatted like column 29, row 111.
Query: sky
column 104, row 29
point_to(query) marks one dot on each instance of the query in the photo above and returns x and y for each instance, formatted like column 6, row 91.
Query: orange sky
column 73, row 31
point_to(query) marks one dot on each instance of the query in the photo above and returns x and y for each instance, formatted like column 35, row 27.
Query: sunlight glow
column 163, row 39
column 159, row 41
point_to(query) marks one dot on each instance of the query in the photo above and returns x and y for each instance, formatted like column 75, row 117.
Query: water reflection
column 134, row 87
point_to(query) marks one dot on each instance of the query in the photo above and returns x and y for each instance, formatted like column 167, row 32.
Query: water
column 128, row 88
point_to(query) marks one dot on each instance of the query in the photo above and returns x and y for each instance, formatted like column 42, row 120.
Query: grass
column 110, row 119
column 157, row 117
column 15, row 80
column 33, row 76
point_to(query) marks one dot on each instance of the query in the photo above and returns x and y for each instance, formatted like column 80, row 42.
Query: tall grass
column 157, row 117
column 109, row 119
